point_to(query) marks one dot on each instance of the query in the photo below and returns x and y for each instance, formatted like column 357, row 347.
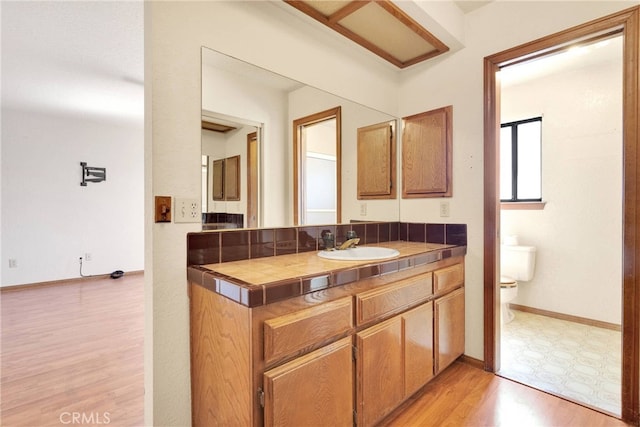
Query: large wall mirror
column 247, row 146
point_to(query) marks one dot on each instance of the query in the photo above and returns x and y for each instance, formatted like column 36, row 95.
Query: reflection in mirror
column 229, row 152
column 252, row 100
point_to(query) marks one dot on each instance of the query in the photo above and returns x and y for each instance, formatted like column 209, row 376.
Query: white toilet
column 517, row 263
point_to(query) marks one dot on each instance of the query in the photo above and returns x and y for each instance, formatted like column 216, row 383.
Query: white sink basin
column 361, row 253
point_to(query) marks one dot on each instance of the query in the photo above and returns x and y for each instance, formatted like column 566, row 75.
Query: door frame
column 252, row 180
column 332, row 113
column 628, row 22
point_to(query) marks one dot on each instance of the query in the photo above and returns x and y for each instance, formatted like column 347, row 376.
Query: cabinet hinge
column 354, row 352
column 355, row 418
column 261, row 397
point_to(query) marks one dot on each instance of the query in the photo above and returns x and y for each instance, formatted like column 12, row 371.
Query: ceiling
column 68, row 57
column 87, row 58
column 608, row 50
column 467, row 6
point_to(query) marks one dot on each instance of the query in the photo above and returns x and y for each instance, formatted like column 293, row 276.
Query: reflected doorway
column 317, row 155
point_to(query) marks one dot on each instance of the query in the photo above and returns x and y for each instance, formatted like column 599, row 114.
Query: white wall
column 48, row 219
column 67, row 99
column 457, row 79
column 261, row 33
column 578, row 235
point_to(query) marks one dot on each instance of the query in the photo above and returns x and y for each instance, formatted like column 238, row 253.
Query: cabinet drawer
column 448, row 278
column 376, row 303
column 288, row 334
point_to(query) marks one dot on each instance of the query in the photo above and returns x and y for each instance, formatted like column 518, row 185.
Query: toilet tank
column 517, row 262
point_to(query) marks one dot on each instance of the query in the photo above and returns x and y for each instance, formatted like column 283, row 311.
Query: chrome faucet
column 351, row 243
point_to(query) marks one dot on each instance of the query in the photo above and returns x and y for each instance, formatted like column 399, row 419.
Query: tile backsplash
column 211, row 247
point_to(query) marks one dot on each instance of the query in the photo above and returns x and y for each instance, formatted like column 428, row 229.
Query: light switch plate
column 187, row 210
column 444, row 209
column 162, row 209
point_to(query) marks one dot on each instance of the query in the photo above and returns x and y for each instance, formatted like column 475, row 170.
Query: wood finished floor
column 463, row 395
column 79, row 348
column 73, row 348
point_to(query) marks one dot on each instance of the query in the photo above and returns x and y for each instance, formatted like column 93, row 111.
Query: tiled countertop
column 260, row 281
column 262, row 271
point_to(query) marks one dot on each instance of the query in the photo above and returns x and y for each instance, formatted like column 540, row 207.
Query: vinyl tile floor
column 579, row 362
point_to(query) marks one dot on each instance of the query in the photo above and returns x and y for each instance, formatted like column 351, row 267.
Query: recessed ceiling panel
column 376, row 25
column 327, row 8
column 379, row 26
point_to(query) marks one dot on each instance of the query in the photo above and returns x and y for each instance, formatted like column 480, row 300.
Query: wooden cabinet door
column 380, row 371
column 217, row 176
column 232, row 178
column 377, row 161
column 313, row 390
column 449, row 328
column 417, row 325
column 427, row 154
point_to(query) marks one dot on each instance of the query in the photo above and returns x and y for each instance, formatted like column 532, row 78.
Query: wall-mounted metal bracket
column 98, row 174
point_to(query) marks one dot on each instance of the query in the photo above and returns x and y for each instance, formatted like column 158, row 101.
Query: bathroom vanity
column 297, row 339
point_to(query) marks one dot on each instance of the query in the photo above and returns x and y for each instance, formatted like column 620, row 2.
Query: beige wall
column 582, row 185
column 268, row 35
column 457, row 80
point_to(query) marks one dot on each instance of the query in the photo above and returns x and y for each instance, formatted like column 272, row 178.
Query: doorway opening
column 628, row 23
column 317, row 153
column 561, row 118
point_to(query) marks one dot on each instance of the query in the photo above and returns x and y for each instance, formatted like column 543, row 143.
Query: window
column 521, row 161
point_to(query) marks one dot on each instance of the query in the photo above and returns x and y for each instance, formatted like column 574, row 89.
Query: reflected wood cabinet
column 377, row 161
column 427, row 140
column 225, row 178
column 348, row 355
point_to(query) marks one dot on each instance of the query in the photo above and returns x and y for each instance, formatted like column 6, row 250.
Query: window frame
column 514, row 161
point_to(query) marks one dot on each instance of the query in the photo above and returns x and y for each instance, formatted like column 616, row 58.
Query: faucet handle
column 351, row 234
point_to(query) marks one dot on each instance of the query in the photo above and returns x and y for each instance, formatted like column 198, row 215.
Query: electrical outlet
column 13, row 263
column 87, row 256
column 187, row 210
column 363, row 209
column 444, row 209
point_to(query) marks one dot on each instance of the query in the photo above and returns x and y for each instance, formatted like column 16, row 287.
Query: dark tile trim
column 211, row 282
column 435, row 233
column 343, row 277
column 388, row 267
column 282, row 290
column 368, row 271
column 212, row 247
column 195, row 273
column 317, row 283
